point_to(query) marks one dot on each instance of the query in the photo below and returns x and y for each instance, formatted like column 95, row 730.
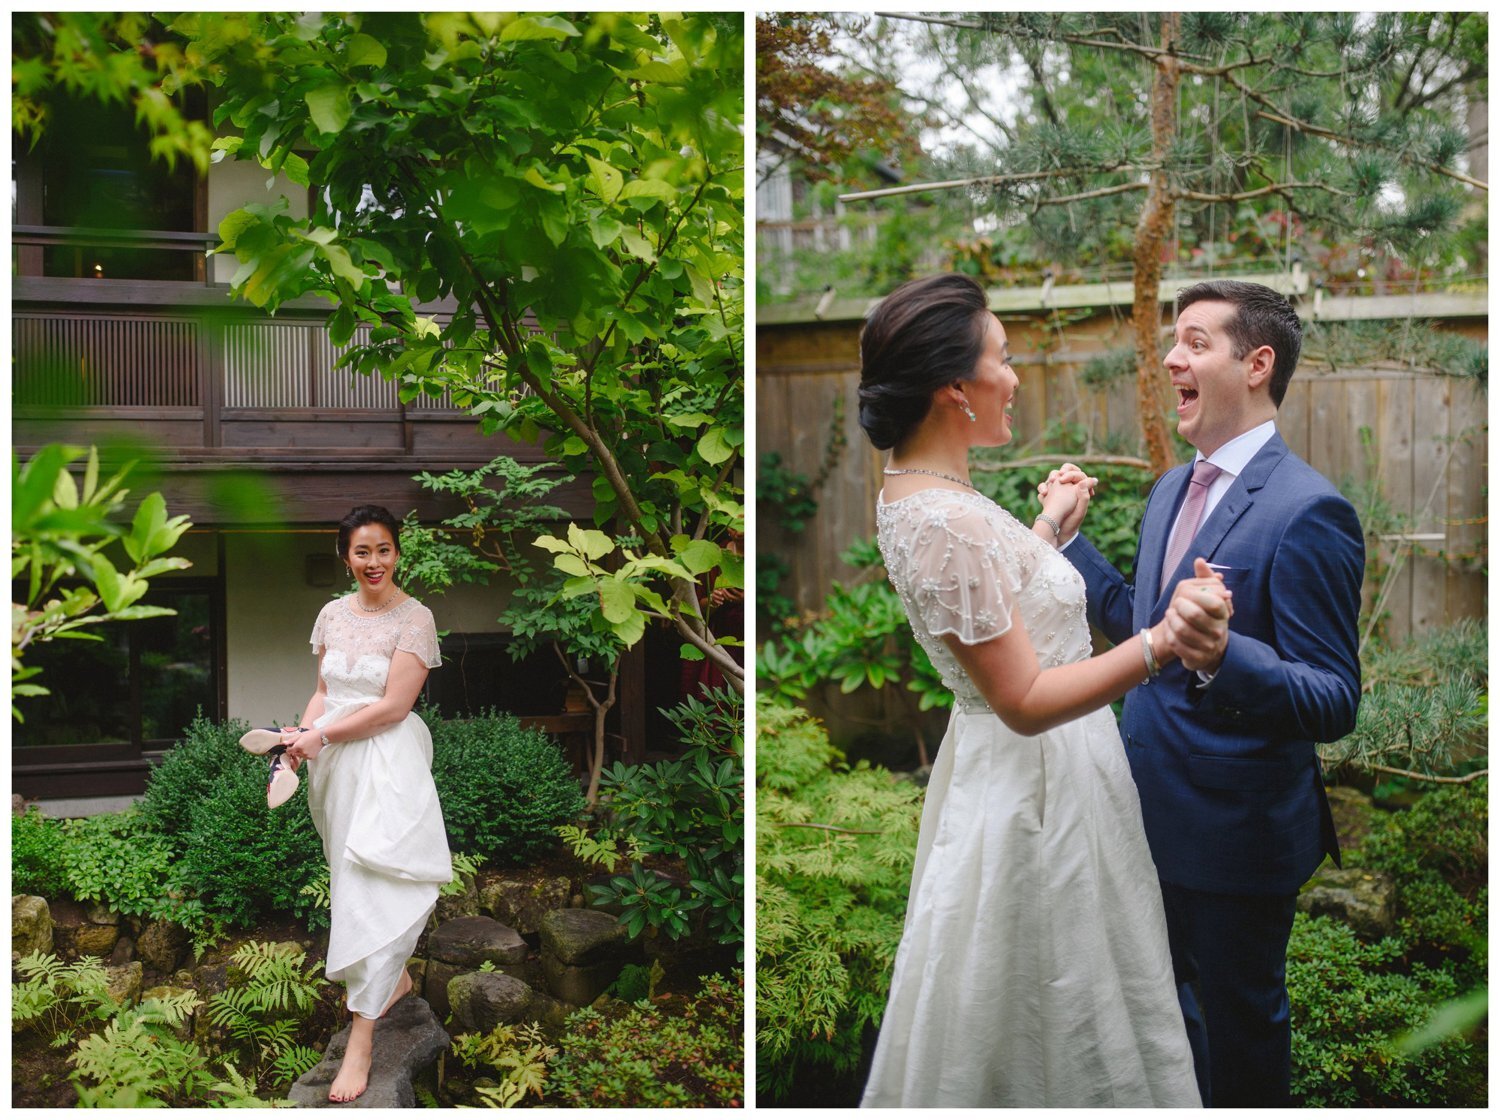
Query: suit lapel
column 1155, row 528
column 1237, row 499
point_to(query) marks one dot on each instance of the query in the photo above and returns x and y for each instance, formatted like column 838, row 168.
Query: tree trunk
column 601, row 709
column 1151, row 233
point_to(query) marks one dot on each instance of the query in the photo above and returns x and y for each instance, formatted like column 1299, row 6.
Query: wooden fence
column 1427, row 446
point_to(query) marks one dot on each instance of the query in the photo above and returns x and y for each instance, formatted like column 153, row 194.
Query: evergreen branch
column 1122, row 188
column 997, row 180
column 1328, row 134
column 1423, row 777
column 1260, row 192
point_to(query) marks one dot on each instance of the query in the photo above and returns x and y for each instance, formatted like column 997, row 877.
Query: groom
column 1223, row 756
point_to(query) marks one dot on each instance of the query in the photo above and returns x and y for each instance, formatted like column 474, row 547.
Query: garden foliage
column 647, row 1058
column 1351, row 1002
column 36, row 864
column 690, row 808
column 834, row 850
column 62, row 538
column 504, row 789
column 207, row 800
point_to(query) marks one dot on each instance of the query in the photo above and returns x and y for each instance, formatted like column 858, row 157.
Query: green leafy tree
column 574, row 186
column 62, row 531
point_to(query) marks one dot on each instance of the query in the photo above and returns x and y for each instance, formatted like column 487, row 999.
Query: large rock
column 407, row 1041
column 30, row 926
column 95, row 941
column 124, row 984
column 435, row 980
column 483, row 1000
column 1363, row 900
column 582, row 937
column 1354, row 814
column 162, row 945
column 579, row 985
column 123, row 953
column 470, row 942
column 521, row 904
column 464, row 904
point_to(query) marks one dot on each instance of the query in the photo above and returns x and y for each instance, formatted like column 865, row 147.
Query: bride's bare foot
column 403, row 988
column 354, row 1072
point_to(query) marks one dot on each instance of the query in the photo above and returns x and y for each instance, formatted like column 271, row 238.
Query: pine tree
column 1179, row 128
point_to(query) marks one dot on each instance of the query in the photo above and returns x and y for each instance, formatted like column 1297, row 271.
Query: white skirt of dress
column 374, row 803
column 1034, row 968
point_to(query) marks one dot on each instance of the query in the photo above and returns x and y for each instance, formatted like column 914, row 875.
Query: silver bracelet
column 1153, row 667
column 1053, row 525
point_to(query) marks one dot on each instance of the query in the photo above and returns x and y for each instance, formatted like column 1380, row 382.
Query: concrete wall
column 270, row 607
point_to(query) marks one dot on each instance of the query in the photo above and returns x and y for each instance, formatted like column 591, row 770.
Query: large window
column 92, row 174
column 137, row 689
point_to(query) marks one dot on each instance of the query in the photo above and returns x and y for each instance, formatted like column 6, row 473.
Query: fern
column 136, row 1061
column 603, row 849
column 465, row 867
column 519, row 1053
column 320, row 890
column 238, row 1091
column 275, row 979
column 55, row 997
column 293, row 1062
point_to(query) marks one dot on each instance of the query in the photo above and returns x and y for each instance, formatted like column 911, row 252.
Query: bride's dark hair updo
column 360, row 516
column 926, row 334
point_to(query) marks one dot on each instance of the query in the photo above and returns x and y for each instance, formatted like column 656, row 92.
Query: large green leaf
column 329, row 106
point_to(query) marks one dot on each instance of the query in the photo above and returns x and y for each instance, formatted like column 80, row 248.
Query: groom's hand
column 1198, row 619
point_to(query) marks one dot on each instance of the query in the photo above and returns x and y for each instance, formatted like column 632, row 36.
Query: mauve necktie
column 1186, row 528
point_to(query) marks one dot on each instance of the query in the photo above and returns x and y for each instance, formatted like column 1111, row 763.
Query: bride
column 1033, row 970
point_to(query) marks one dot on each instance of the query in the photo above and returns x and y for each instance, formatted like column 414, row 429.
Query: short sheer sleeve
column 963, row 577
column 419, row 636
column 319, row 639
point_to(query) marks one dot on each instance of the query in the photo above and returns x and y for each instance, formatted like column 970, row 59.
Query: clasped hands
column 1195, row 628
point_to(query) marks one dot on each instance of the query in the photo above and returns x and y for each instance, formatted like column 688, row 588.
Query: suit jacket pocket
column 1210, row 771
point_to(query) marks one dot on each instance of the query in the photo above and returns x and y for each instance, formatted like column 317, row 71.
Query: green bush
column 504, row 790
column 189, row 772
column 247, row 861
column 834, row 850
column 648, row 1058
column 1350, row 1006
column 1438, row 852
column 36, row 865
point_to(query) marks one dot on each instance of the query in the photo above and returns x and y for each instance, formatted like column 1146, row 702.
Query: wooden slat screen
column 105, row 361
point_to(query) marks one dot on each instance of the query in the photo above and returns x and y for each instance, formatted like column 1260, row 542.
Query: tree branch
column 1122, row 188
column 1327, row 134
column 996, row 180
column 1421, row 777
column 831, row 828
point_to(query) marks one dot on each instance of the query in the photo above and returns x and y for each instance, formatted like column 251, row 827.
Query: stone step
column 407, row 1041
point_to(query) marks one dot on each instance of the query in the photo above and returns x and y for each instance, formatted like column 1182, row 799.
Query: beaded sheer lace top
column 963, row 565
column 357, row 648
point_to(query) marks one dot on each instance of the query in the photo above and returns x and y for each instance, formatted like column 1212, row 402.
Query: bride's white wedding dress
column 375, row 805
column 1034, row 968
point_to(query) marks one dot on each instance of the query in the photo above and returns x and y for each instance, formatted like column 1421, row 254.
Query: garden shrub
column 834, row 849
column 189, row 772
column 36, row 865
column 1438, row 852
column 1350, row 1006
column 117, row 859
column 648, row 1058
column 690, row 809
column 244, row 860
column 504, row 789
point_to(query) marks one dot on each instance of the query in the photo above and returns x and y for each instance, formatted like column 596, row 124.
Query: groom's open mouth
column 1185, row 397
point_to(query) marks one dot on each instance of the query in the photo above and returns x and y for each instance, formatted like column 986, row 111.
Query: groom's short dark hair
column 1262, row 317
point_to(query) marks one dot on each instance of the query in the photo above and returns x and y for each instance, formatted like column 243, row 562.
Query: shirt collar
column 1235, row 455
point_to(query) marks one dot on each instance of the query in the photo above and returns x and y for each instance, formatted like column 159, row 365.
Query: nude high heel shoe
column 260, row 740
column 283, row 782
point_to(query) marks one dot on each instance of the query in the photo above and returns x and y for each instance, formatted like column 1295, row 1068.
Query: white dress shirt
column 1231, row 459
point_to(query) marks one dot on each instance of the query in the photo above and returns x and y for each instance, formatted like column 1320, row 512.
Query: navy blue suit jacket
column 1230, row 785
